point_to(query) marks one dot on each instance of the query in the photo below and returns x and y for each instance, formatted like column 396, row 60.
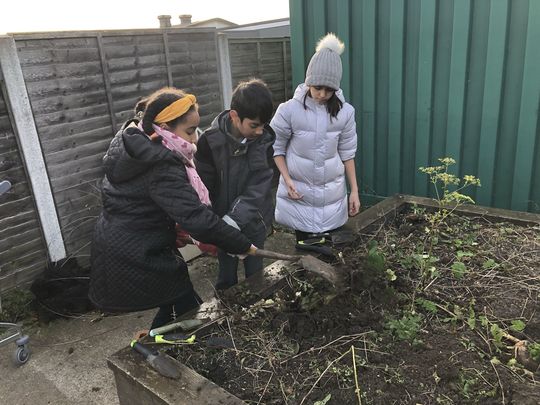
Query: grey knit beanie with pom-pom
column 324, row 68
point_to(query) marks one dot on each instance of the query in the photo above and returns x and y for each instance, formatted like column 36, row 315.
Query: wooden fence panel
column 83, row 86
column 22, row 248
column 194, row 68
column 266, row 59
column 66, row 87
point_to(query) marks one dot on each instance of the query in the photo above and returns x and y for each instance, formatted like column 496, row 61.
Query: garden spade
column 309, row 263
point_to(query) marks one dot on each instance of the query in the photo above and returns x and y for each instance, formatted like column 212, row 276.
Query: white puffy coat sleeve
column 281, row 124
column 348, row 139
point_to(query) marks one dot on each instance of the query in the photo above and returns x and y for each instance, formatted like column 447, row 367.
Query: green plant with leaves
column 407, row 327
column 448, row 186
column 534, row 351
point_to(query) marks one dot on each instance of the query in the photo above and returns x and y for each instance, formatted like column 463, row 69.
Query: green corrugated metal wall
column 434, row 78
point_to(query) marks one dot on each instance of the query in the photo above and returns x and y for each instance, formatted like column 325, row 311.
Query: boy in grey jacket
column 234, row 160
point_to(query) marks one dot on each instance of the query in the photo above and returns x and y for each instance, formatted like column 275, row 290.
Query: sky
column 61, row 15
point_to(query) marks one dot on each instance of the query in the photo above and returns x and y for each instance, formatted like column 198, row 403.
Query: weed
column 407, row 327
column 16, row 305
column 444, row 182
column 534, row 351
column 323, row 401
column 470, row 386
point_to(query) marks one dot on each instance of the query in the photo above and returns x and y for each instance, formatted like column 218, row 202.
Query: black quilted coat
column 135, row 264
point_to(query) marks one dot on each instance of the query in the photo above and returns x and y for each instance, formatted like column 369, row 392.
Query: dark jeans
column 228, row 265
column 169, row 313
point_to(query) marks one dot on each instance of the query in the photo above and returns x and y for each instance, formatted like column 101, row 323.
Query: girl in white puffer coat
column 314, row 152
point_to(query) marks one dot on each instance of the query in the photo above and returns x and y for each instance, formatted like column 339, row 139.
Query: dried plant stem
column 500, row 384
column 322, row 374
column 357, row 390
column 265, row 388
column 231, row 334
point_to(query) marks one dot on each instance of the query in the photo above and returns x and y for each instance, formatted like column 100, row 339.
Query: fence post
column 27, row 137
column 224, row 66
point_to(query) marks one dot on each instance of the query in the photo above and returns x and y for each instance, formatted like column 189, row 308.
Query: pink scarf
column 186, row 151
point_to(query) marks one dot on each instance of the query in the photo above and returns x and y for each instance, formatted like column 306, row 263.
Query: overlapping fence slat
column 22, row 248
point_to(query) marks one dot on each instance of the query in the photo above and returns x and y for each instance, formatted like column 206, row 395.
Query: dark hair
column 140, row 107
column 333, row 105
column 253, row 100
column 156, row 102
column 138, row 112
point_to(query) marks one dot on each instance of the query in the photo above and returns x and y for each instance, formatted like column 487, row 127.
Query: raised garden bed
column 431, row 314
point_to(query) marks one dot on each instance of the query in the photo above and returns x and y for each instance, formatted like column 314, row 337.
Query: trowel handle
column 142, row 349
column 274, row 255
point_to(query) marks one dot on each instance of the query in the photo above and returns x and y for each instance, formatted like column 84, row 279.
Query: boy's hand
column 291, row 190
column 354, row 203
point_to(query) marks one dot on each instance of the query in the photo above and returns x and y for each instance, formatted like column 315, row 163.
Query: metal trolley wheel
column 22, row 353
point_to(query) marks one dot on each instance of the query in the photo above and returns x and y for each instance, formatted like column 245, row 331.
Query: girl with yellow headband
column 150, row 184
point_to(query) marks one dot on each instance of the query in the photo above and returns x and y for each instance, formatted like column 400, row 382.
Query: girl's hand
column 354, row 203
column 291, row 190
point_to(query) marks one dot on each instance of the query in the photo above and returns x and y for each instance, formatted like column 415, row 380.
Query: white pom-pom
column 330, row 41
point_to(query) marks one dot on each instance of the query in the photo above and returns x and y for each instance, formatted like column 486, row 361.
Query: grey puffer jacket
column 135, row 264
column 315, row 148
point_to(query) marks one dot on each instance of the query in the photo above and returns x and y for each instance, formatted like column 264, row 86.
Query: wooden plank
column 80, row 167
column 55, row 55
column 13, row 245
column 77, row 139
column 59, row 102
column 106, row 80
column 88, row 150
column 68, row 182
column 78, row 213
column 136, row 89
column 149, row 61
column 47, row 88
column 79, row 204
column 26, row 220
column 494, row 214
column 20, row 188
column 18, row 266
column 23, row 277
column 167, row 58
column 66, row 71
column 73, row 115
column 89, row 187
column 191, row 32
column 69, row 128
column 22, row 204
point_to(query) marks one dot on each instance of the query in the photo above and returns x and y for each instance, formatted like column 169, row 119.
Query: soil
column 431, row 314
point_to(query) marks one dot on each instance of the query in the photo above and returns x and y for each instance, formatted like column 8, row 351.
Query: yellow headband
column 176, row 109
